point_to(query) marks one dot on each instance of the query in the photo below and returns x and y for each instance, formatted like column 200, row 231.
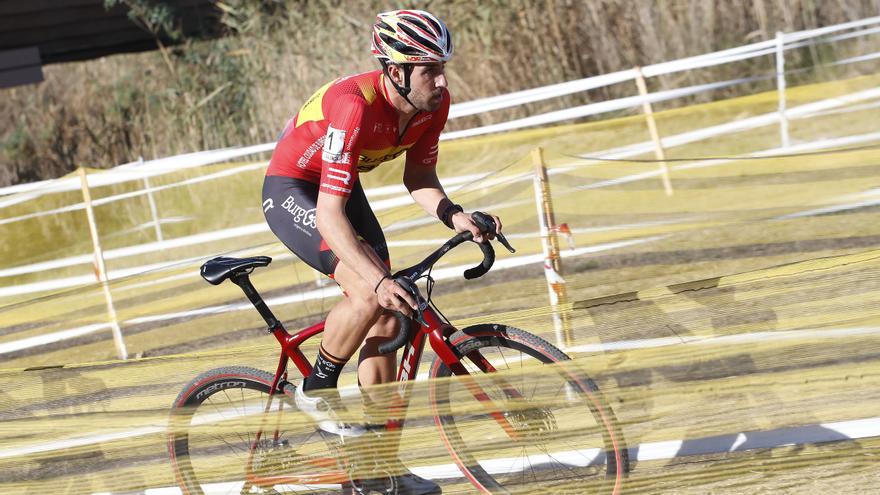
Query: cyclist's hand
column 395, row 298
column 463, row 222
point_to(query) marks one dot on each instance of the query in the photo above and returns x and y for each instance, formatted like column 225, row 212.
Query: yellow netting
column 742, row 362
column 710, row 374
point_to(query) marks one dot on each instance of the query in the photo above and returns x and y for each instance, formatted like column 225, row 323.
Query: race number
column 334, row 144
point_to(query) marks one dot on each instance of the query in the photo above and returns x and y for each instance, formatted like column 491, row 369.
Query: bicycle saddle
column 217, row 270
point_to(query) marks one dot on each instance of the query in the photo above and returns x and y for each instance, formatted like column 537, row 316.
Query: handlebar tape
column 403, row 335
column 401, row 338
column 485, row 265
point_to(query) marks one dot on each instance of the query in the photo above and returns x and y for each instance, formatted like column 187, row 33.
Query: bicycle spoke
column 503, row 358
column 565, row 465
column 220, row 413
column 531, row 467
column 534, row 388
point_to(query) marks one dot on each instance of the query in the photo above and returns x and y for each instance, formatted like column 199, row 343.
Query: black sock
column 325, row 373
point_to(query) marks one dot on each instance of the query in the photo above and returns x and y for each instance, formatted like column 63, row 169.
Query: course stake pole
column 659, row 152
column 550, row 244
column 100, row 268
column 780, row 87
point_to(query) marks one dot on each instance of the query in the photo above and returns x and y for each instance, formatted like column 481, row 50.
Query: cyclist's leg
column 289, row 206
column 376, row 368
column 344, row 330
column 349, row 321
column 373, row 367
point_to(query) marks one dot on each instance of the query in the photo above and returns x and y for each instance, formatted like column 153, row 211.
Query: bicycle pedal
column 386, row 486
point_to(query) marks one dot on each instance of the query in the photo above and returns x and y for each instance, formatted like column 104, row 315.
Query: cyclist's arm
column 338, row 177
column 337, row 230
column 425, row 188
column 427, row 192
column 340, row 235
column 420, row 174
column 339, row 158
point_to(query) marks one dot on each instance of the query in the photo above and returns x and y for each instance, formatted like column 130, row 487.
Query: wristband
column 376, row 290
column 446, row 216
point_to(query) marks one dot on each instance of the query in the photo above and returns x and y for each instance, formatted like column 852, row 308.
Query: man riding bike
column 314, row 202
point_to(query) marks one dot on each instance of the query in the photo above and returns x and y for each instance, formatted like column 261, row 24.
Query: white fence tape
column 592, row 109
column 138, row 170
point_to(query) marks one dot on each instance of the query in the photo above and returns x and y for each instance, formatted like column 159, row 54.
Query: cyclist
column 314, row 202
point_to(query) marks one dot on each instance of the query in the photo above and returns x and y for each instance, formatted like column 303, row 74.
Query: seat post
column 242, row 280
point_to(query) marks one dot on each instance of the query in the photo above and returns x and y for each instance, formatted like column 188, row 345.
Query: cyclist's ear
column 396, row 73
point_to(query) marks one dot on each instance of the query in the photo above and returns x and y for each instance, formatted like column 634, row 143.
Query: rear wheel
column 534, row 424
column 217, row 418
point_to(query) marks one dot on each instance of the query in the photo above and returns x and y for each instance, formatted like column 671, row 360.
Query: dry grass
column 242, row 88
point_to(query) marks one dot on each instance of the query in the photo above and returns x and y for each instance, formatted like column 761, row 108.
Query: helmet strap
column 405, row 89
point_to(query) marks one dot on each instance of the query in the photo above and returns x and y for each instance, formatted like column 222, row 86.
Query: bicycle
column 275, row 458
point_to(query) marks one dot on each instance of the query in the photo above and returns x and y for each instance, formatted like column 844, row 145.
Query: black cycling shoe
column 413, row 484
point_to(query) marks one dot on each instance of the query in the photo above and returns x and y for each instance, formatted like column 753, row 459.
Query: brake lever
column 418, row 317
column 487, row 224
column 503, row 241
column 410, row 286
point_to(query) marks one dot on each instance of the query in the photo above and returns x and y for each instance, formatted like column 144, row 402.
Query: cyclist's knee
column 365, row 303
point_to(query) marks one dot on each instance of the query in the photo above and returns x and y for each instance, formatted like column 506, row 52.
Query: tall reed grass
column 241, row 88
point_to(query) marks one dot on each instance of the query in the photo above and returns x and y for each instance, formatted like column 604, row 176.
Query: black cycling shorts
column 290, row 207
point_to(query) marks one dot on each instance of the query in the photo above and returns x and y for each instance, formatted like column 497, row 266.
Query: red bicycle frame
column 432, row 328
column 436, row 332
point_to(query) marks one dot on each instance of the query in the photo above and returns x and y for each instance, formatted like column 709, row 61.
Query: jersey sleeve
column 424, row 151
column 342, row 145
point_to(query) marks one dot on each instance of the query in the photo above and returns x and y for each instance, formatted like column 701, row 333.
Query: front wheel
column 533, row 424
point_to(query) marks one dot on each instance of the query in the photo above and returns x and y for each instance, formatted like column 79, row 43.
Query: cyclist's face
column 427, row 82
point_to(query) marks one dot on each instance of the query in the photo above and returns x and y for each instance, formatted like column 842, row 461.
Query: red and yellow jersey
column 348, row 126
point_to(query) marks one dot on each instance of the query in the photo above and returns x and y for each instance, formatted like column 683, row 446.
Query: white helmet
column 410, row 36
